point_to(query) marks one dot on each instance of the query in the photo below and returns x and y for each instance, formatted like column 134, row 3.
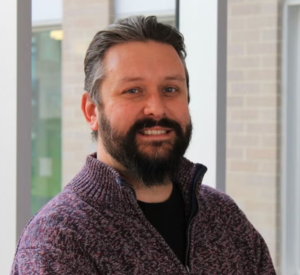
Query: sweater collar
column 100, row 183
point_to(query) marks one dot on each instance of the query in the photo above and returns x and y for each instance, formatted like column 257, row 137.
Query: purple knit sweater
column 95, row 226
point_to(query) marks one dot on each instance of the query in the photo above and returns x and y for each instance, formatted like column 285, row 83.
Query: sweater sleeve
column 53, row 243
column 50, row 260
column 248, row 242
column 257, row 251
column 264, row 261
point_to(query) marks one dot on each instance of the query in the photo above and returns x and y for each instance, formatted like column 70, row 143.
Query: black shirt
column 169, row 220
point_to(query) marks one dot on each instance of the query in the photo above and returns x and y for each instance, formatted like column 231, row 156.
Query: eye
column 170, row 90
column 132, row 91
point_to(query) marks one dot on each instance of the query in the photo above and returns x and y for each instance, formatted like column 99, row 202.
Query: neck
column 153, row 194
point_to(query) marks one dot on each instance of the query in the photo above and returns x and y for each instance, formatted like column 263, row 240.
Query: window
column 165, row 11
column 46, row 116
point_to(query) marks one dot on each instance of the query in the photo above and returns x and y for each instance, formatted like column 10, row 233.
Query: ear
column 90, row 111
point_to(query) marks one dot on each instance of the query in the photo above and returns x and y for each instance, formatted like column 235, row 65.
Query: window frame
column 290, row 148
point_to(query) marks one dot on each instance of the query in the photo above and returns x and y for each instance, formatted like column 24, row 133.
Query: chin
column 154, row 152
column 156, row 146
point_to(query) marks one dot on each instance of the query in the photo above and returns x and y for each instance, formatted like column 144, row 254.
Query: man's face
column 144, row 121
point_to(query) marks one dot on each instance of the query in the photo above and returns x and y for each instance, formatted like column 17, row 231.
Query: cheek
column 122, row 116
column 181, row 114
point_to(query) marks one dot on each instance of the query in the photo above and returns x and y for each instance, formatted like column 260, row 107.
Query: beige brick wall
column 81, row 21
column 253, row 128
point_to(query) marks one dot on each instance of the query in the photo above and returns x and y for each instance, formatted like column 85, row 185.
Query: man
column 138, row 206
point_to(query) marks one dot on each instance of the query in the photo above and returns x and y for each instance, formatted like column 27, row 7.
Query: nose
column 154, row 106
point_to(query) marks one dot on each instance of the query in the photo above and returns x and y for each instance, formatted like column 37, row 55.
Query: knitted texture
column 95, row 226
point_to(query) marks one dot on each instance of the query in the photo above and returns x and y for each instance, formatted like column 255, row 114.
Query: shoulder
column 221, row 206
column 211, row 196
column 58, row 222
column 60, row 209
column 53, row 241
column 221, row 212
column 221, row 209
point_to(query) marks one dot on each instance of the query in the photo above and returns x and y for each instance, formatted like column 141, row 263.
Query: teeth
column 154, row 132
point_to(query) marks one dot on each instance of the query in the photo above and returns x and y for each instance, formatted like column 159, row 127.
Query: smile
column 154, row 132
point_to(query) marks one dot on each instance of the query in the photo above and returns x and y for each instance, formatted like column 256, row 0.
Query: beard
column 155, row 168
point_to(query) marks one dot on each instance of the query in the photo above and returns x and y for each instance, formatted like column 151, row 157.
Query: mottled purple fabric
column 95, row 226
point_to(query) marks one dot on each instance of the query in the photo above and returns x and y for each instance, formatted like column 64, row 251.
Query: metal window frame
column 50, row 27
column 46, row 24
column 23, row 115
column 290, row 147
column 15, row 122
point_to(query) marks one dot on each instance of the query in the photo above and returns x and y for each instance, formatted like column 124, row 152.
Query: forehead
column 137, row 58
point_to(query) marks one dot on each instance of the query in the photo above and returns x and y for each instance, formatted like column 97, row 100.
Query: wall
column 254, row 51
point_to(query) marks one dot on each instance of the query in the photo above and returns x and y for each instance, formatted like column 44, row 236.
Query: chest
column 131, row 245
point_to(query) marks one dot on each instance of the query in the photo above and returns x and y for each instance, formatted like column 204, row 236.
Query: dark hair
column 135, row 28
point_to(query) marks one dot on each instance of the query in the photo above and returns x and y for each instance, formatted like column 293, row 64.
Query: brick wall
column 81, row 21
column 254, row 28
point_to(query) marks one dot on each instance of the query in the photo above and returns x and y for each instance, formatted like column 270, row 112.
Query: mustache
column 149, row 122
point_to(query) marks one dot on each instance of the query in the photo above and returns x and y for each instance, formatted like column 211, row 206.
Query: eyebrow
column 176, row 77
column 171, row 77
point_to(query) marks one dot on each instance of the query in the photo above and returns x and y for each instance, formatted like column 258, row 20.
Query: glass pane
column 46, row 117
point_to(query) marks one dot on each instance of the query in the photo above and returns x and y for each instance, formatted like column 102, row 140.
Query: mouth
column 154, row 132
